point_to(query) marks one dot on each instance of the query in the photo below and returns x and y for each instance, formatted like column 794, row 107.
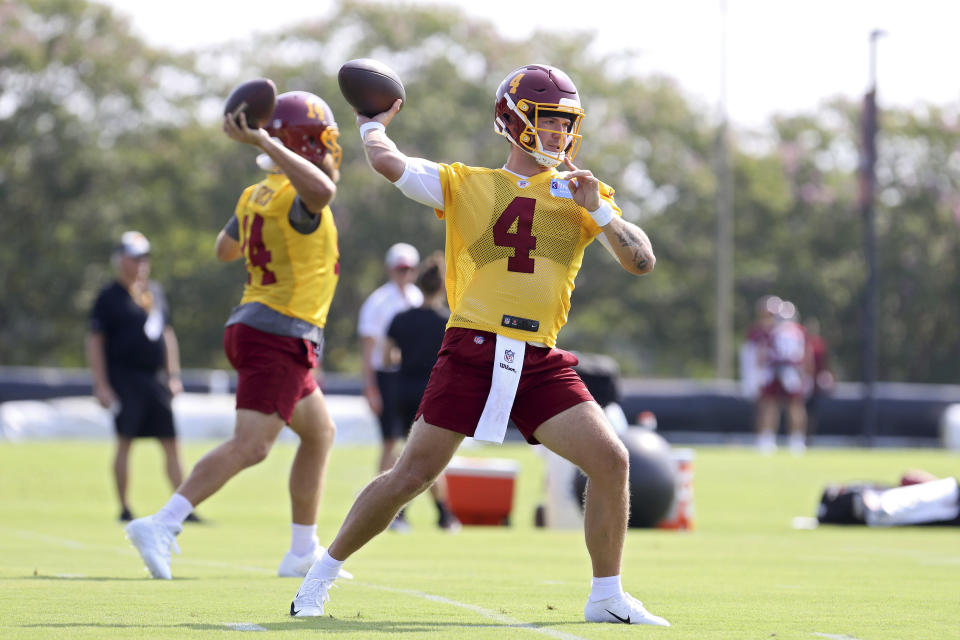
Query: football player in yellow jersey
column 284, row 229
column 515, row 241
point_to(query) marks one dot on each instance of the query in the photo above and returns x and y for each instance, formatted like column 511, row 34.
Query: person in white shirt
column 398, row 294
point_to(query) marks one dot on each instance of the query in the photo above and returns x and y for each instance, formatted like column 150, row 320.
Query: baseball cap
column 402, row 255
column 133, row 244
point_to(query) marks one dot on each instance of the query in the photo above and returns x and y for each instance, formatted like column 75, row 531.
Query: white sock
column 175, row 511
column 603, row 588
column 326, row 568
column 303, row 538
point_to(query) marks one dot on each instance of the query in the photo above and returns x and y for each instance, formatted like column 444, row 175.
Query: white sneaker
column 294, row 566
column 767, row 444
column 310, row 598
column 622, row 608
column 153, row 540
column 400, row 525
column 798, row 446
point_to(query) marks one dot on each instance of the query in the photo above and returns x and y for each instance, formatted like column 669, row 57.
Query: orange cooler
column 481, row 489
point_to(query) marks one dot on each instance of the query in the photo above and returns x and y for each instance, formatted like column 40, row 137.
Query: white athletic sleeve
column 421, row 183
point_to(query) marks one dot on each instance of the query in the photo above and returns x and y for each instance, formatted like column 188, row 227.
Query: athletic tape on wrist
column 367, row 127
column 603, row 214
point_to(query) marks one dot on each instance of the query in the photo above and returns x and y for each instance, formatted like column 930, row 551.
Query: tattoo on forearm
column 636, row 242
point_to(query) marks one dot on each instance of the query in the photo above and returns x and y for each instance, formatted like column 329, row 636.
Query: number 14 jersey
column 294, row 273
column 513, row 248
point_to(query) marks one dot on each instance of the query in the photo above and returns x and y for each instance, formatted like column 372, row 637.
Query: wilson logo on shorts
column 508, row 355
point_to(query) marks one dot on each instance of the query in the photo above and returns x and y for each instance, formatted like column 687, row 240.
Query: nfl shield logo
column 477, row 339
column 508, row 355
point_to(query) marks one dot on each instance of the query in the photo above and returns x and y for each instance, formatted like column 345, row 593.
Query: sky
column 782, row 56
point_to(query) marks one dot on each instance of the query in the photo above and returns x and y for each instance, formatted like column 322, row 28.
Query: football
column 255, row 98
column 370, row 86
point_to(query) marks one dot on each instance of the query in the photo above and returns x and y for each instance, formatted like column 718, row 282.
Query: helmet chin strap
column 550, row 165
column 543, row 159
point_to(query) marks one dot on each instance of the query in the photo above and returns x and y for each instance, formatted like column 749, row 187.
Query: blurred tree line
column 99, row 133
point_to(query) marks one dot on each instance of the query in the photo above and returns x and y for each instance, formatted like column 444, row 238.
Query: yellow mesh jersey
column 514, row 246
column 292, row 273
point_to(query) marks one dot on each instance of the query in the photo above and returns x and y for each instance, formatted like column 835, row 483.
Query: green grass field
column 66, row 570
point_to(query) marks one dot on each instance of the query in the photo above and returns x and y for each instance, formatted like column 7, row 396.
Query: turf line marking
column 63, row 542
column 130, row 551
column 244, row 626
column 487, row 613
column 493, row 615
column 834, row 636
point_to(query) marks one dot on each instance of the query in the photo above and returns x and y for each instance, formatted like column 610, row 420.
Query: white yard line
column 487, row 613
column 245, row 626
column 834, row 636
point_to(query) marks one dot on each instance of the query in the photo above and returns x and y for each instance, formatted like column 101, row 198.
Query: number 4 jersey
column 514, row 246
column 293, row 271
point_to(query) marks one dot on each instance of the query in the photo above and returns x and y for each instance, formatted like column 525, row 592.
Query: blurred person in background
column 413, row 341
column 783, row 366
column 134, row 360
column 380, row 376
column 284, row 230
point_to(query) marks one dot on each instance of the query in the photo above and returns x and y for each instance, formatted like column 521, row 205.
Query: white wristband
column 367, row 127
column 603, row 214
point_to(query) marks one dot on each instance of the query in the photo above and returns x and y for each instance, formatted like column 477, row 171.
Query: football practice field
column 66, row 570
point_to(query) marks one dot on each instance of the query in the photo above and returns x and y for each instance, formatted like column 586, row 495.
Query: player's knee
column 321, row 434
column 251, row 453
column 612, row 465
column 620, row 460
column 410, row 481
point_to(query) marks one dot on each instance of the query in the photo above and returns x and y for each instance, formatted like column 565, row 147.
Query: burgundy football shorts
column 460, row 382
column 776, row 391
column 273, row 372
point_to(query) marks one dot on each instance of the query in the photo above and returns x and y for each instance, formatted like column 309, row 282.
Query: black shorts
column 145, row 404
column 409, row 393
column 391, row 427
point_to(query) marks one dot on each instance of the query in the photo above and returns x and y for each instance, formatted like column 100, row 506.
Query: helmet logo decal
column 516, row 82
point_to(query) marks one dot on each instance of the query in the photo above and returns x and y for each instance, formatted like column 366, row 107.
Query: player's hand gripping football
column 383, row 118
column 584, row 187
column 241, row 132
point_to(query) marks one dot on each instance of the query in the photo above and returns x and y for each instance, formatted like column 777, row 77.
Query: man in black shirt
column 134, row 359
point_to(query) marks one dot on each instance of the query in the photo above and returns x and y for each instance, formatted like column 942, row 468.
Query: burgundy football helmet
column 305, row 125
column 538, row 91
